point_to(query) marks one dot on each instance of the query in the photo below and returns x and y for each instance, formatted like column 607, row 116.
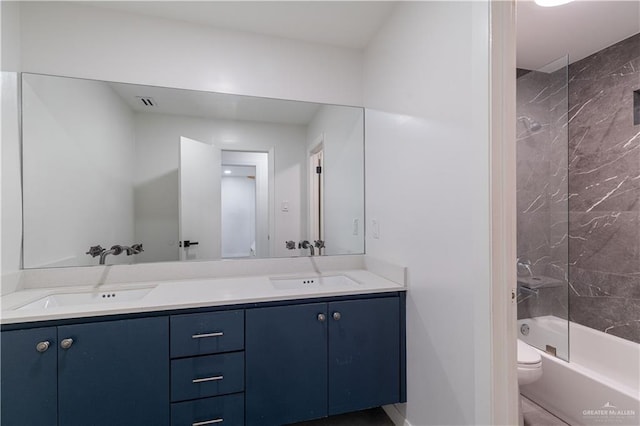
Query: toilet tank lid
column 526, row 354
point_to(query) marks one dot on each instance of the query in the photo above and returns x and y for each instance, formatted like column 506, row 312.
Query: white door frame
column 504, row 389
column 313, row 186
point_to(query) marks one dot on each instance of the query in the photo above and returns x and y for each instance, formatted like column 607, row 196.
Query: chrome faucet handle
column 291, row 245
column 95, row 251
column 523, row 264
column 304, row 244
column 117, row 249
column 135, row 249
column 319, row 244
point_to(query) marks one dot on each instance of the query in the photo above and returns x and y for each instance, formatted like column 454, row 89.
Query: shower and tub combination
column 578, row 201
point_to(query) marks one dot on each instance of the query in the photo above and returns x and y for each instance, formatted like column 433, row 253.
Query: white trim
column 396, row 417
column 504, row 389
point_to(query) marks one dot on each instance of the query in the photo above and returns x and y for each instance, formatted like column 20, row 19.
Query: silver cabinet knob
column 43, row 346
column 322, row 317
column 66, row 343
column 337, row 316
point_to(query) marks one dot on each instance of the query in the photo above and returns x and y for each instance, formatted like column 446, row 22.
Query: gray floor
column 535, row 415
column 372, row 417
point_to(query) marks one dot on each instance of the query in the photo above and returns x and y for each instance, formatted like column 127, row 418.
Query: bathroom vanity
column 262, row 336
column 284, row 354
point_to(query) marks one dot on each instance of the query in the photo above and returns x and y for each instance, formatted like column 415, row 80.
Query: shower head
column 530, row 124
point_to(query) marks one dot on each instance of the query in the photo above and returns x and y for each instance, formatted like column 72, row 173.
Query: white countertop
column 187, row 293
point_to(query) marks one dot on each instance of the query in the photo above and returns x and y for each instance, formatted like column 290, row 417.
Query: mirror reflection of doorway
column 244, row 204
column 316, row 195
column 238, row 203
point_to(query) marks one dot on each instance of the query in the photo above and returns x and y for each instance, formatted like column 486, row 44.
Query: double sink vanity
column 236, row 350
column 254, row 332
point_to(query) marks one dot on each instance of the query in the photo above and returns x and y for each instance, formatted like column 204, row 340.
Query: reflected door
column 200, row 196
column 316, row 196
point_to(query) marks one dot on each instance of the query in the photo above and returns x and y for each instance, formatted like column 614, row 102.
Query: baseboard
column 396, row 417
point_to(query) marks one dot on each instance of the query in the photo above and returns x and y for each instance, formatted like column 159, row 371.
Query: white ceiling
column 339, row 23
column 578, row 29
column 216, row 105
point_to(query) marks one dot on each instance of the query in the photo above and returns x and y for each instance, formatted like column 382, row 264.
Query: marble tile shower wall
column 542, row 188
column 604, row 187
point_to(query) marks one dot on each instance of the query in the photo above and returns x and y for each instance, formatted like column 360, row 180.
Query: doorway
column 316, row 194
column 245, row 204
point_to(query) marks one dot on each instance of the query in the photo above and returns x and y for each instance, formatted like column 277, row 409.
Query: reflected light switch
column 356, row 223
column 284, row 206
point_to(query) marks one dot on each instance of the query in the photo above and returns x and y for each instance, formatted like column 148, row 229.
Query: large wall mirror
column 184, row 175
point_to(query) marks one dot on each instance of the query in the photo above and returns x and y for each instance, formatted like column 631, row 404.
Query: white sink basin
column 312, row 282
column 72, row 299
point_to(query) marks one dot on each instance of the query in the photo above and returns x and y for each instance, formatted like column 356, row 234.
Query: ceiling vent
column 147, row 101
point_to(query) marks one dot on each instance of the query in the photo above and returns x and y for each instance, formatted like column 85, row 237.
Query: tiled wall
column 542, row 187
column 604, row 187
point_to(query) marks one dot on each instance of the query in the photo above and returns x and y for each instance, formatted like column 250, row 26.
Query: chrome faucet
column 114, row 250
column 307, row 245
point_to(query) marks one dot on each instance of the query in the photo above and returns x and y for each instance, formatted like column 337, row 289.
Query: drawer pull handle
column 200, row 336
column 208, row 379
column 208, row 422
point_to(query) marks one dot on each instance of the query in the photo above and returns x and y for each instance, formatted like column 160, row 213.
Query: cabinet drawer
column 225, row 410
column 205, row 376
column 207, row 333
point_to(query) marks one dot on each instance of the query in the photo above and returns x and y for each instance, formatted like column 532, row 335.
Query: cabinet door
column 29, row 377
column 114, row 373
column 286, row 364
column 364, row 354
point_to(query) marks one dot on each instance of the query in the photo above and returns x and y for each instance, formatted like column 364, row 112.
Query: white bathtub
column 601, row 383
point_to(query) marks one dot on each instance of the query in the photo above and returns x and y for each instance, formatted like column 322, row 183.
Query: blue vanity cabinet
column 286, row 364
column 309, row 361
column 259, row 365
column 207, row 368
column 364, row 354
column 114, row 373
column 28, row 377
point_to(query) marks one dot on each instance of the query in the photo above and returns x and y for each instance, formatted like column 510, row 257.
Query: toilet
column 529, row 364
column 529, row 370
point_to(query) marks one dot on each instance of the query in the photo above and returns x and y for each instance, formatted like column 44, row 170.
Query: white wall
column 157, row 138
column 78, row 169
column 10, row 36
column 427, row 172
column 10, row 195
column 84, row 41
column 342, row 129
